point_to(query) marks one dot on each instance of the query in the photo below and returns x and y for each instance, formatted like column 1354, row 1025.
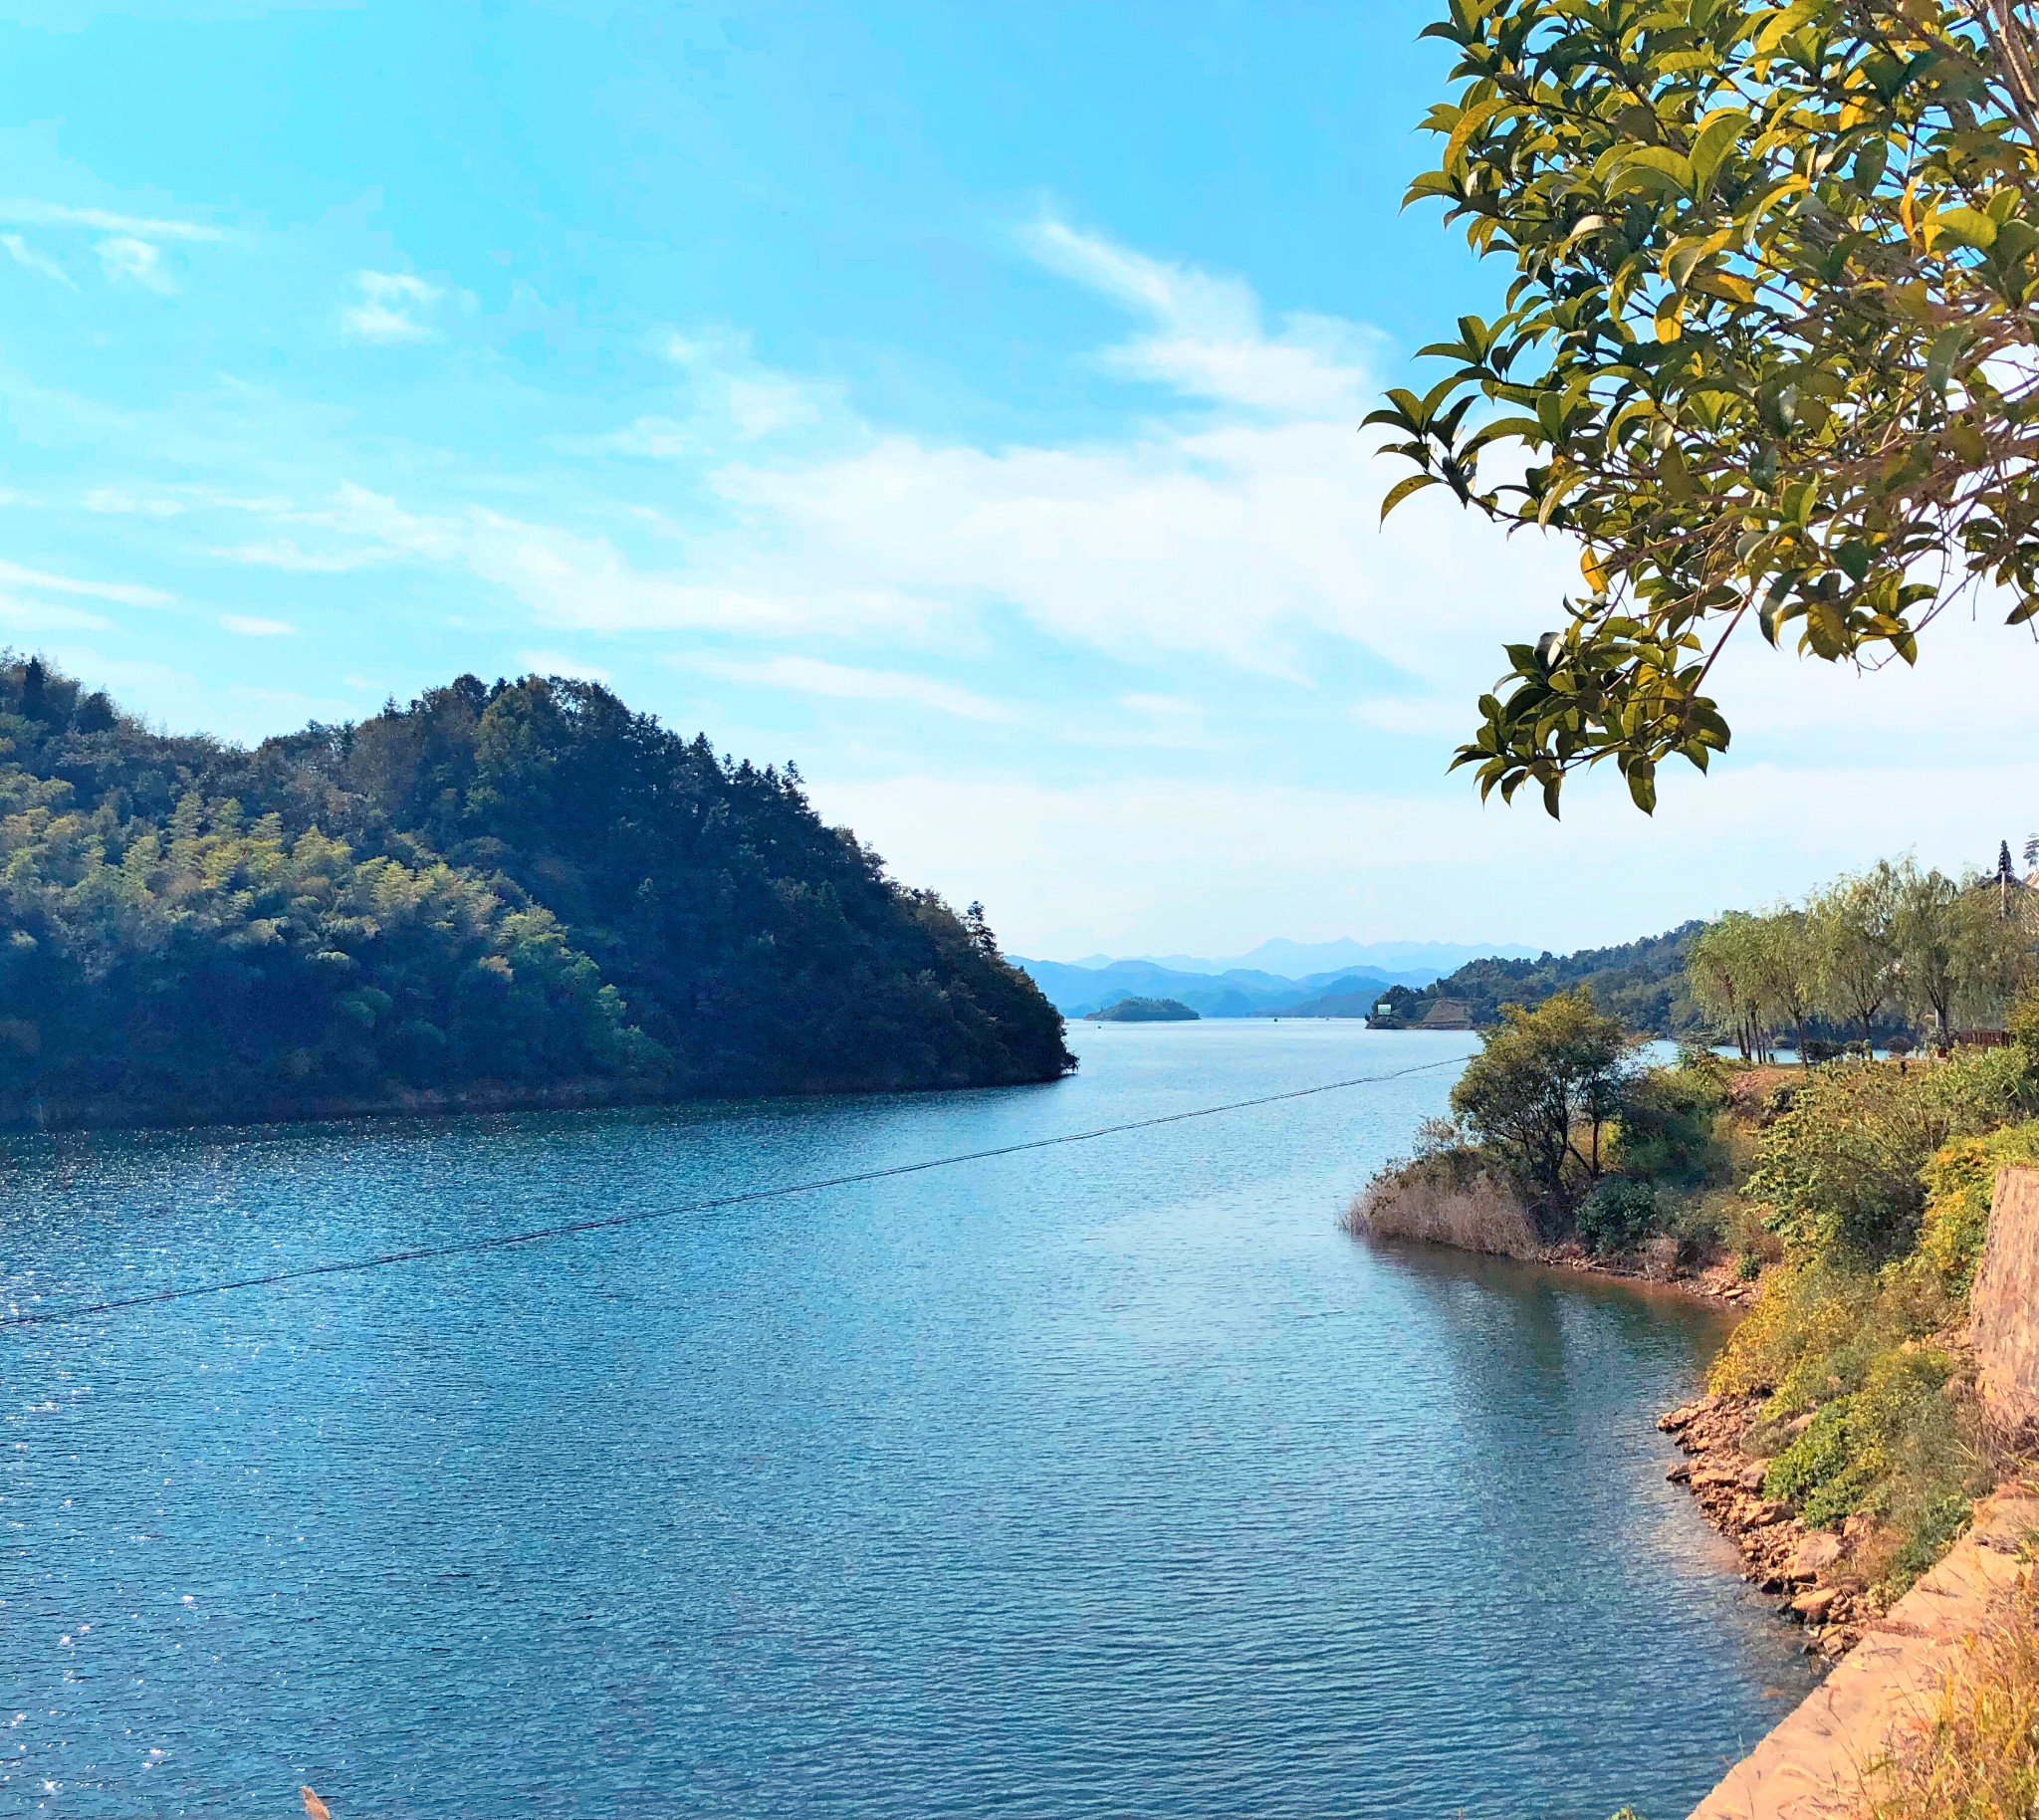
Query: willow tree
column 1853, row 926
column 1728, row 980
column 1787, row 969
column 1767, row 352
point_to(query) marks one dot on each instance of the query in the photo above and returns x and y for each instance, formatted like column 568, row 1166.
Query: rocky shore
column 1810, row 1572
column 1719, row 1281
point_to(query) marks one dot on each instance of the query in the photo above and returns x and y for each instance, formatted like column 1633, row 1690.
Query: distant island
column 518, row 893
column 1145, row 1011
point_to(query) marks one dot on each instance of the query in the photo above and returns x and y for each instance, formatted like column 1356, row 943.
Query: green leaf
column 1470, row 122
column 1402, row 489
column 1940, row 356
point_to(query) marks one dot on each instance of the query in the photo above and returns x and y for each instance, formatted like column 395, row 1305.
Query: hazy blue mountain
column 1076, row 991
column 1406, row 962
column 1348, row 998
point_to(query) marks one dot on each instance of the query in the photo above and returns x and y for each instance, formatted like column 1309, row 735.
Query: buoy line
column 573, row 1229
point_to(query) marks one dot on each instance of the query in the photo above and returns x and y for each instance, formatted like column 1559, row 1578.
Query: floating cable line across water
column 48, row 1317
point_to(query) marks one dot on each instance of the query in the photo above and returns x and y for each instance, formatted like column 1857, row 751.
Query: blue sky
column 961, row 402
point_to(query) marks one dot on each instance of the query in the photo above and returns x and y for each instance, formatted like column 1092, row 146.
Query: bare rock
column 1813, row 1557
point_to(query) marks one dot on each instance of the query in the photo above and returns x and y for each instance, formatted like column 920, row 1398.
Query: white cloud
column 1241, row 527
column 117, row 502
column 139, row 262
column 557, row 663
column 844, row 682
column 1207, row 339
column 30, row 259
column 244, row 627
column 731, row 394
column 42, row 582
column 388, row 306
column 284, row 554
column 44, row 616
column 104, row 221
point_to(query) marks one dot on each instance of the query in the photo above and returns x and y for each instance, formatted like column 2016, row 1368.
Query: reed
column 1445, row 1200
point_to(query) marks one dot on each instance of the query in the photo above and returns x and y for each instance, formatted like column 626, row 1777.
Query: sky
column 960, row 402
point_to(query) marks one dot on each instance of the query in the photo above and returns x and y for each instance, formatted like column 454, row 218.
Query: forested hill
column 512, row 892
column 1641, row 982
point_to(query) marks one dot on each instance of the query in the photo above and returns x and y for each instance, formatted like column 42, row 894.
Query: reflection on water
column 1101, row 1480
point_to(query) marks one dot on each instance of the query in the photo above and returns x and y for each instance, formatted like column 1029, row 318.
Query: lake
column 1104, row 1479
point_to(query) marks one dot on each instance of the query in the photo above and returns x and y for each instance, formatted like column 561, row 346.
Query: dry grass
column 1432, row 1200
column 1978, row 1757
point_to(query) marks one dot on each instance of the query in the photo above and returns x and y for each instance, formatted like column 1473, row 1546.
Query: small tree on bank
column 1854, row 926
column 1541, row 1093
column 1788, row 964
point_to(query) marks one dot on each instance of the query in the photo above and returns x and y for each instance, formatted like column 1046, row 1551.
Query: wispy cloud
column 41, row 264
column 1207, row 337
column 119, row 502
column 42, row 582
column 244, row 627
column 104, row 221
column 288, row 555
column 558, row 663
column 44, row 616
column 139, row 262
column 845, row 682
column 387, row 308
column 1237, row 521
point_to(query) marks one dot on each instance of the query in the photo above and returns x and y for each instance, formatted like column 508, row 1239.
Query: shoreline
column 1714, row 1282
column 1807, row 1568
column 484, row 1099
column 1802, row 1567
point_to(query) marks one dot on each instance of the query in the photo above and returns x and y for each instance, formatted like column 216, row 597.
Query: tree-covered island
column 502, row 893
column 1145, row 1011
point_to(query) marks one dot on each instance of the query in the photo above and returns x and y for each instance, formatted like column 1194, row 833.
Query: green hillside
column 1146, row 1010
column 1641, row 982
column 514, row 892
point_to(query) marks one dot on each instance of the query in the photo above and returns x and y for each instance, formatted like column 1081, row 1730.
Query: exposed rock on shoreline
column 1810, row 1570
column 1718, row 1281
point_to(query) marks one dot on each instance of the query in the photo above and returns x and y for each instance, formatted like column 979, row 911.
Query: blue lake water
column 1101, row 1480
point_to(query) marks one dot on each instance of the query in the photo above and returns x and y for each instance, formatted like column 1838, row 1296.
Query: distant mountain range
column 1077, row 990
column 1301, row 961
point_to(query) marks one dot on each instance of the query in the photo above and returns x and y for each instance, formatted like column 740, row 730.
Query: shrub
column 1898, row 1448
column 1670, row 1126
column 1794, row 1342
column 1840, row 1167
column 1959, row 1183
column 1618, row 1217
column 1744, row 1231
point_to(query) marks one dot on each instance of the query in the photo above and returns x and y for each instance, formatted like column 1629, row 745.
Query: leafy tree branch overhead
column 1769, row 349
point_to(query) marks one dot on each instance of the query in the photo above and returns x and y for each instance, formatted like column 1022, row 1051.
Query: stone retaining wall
column 2004, row 1308
column 1811, row 1767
